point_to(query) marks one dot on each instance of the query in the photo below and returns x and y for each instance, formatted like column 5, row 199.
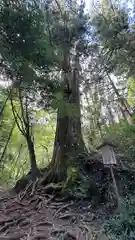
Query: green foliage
column 65, row 108
column 22, row 30
column 15, row 162
column 131, row 91
column 117, row 40
column 76, row 184
column 122, row 226
column 25, row 46
column 123, row 136
column 44, row 134
column 32, row 49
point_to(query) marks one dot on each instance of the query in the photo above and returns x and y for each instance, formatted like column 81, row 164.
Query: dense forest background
column 67, row 84
column 67, row 80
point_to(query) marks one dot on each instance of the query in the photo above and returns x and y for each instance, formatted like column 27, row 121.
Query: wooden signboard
column 109, row 159
column 108, row 155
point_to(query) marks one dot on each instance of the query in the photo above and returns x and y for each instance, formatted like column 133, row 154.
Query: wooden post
column 109, row 159
column 116, row 189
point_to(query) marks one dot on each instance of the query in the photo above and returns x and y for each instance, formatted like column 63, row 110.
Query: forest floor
column 42, row 216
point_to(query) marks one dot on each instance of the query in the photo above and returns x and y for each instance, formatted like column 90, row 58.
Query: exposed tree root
column 91, row 235
column 27, row 182
column 96, row 184
column 62, row 208
column 28, row 223
column 50, row 177
column 50, row 200
column 53, row 188
column 72, row 217
column 57, row 231
column 2, row 222
column 11, row 223
column 45, row 223
column 23, row 194
column 12, row 237
column 69, row 235
column 34, row 187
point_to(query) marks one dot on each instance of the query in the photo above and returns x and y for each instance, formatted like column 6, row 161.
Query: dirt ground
column 42, row 216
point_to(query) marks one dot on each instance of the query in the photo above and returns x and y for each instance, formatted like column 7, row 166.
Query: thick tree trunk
column 68, row 137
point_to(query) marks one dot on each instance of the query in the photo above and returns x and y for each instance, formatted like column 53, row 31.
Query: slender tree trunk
column 3, row 107
column 110, row 115
column 34, row 169
column 23, row 124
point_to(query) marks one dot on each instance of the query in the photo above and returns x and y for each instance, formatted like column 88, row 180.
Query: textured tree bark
column 110, row 115
column 23, row 124
column 68, row 137
column 34, row 171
